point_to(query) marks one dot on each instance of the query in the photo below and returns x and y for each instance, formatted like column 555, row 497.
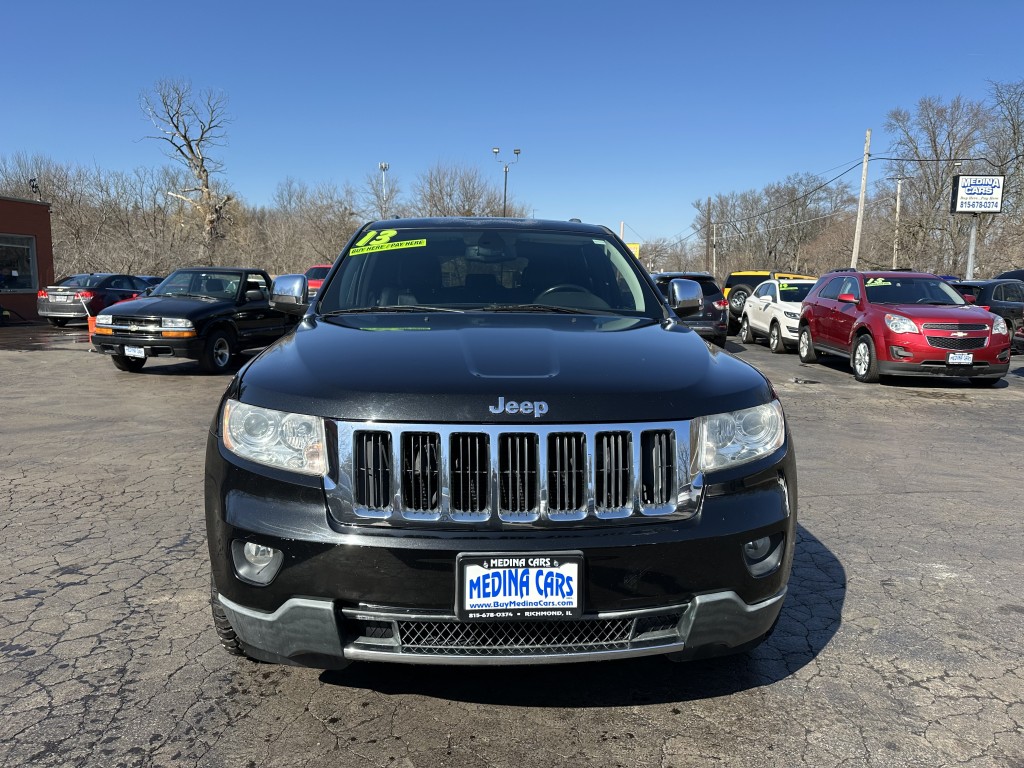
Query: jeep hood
column 461, row 368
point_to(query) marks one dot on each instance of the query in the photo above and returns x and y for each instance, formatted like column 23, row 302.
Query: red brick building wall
column 26, row 248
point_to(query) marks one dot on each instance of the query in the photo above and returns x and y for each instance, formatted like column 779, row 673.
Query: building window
column 18, row 263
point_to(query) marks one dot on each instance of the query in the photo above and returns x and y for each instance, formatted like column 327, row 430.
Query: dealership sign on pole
column 977, row 194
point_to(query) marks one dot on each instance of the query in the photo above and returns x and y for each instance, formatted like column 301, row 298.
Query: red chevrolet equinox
column 902, row 324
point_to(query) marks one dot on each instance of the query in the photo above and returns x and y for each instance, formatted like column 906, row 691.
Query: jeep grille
column 493, row 476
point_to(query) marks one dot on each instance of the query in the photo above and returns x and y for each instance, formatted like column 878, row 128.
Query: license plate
column 538, row 585
column 60, row 297
column 134, row 351
column 960, row 358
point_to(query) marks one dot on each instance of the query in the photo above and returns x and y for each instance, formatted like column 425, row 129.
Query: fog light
column 256, row 563
column 754, row 550
column 763, row 556
column 899, row 353
column 257, row 554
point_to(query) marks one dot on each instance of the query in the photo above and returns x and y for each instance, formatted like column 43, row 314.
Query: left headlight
column 901, row 324
column 175, row 322
column 729, row 439
column 999, row 325
column 291, row 441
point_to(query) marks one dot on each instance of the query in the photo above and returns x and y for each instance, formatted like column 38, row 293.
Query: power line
column 856, row 162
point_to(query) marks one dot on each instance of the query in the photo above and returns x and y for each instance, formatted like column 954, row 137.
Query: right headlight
column 729, row 439
column 292, row 441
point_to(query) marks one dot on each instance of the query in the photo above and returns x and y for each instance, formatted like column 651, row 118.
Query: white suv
column 773, row 311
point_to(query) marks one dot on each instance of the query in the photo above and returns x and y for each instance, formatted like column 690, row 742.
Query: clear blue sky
column 624, row 111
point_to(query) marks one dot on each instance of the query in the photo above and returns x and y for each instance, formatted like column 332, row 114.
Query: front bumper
column 304, row 630
column 347, row 592
column 980, row 369
column 115, row 344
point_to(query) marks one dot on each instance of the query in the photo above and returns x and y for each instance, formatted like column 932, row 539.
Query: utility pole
column 896, row 237
column 707, row 240
column 714, row 250
column 860, row 204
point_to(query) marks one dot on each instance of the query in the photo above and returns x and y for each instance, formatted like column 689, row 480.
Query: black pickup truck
column 493, row 441
column 208, row 314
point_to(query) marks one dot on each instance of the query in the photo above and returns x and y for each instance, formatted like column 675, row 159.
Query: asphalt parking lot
column 899, row 643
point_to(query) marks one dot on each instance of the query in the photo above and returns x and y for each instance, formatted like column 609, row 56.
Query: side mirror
column 290, row 294
column 685, row 297
column 253, row 296
column 847, row 298
column 970, row 298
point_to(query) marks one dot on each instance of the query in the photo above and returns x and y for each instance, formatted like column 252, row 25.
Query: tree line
column 153, row 219
column 806, row 222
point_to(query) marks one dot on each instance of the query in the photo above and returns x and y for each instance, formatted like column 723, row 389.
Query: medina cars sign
column 977, row 194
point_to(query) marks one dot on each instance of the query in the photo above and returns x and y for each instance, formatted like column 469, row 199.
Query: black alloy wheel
column 217, row 354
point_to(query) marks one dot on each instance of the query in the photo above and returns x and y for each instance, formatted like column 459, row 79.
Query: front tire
column 775, row 342
column 746, row 334
column 130, row 364
column 225, row 632
column 805, row 346
column 864, row 360
column 217, row 354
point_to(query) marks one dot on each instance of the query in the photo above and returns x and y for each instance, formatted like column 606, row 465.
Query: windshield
column 911, row 290
column 317, row 273
column 83, row 281
column 211, row 284
column 794, row 291
column 486, row 269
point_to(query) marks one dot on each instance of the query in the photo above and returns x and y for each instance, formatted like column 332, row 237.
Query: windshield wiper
column 183, row 295
column 541, row 308
column 390, row 308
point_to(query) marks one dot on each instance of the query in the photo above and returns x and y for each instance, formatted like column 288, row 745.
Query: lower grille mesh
column 528, row 638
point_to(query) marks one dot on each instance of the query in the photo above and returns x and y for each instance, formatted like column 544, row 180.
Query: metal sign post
column 976, row 195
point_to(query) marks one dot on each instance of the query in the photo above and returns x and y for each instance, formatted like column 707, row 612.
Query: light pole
column 504, row 199
column 384, row 189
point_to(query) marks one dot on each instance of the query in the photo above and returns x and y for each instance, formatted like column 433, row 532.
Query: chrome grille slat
column 493, row 476
column 955, row 327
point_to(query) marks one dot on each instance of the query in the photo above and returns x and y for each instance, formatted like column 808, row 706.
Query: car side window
column 831, row 289
column 1012, row 292
column 762, row 290
column 850, row 285
column 254, row 282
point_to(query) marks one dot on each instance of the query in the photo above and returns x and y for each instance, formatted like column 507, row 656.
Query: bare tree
column 458, row 191
column 191, row 125
column 927, row 142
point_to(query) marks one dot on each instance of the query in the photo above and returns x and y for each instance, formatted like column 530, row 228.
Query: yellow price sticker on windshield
column 374, row 241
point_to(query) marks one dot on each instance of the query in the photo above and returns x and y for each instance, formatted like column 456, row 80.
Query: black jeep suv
column 208, row 314
column 493, row 441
